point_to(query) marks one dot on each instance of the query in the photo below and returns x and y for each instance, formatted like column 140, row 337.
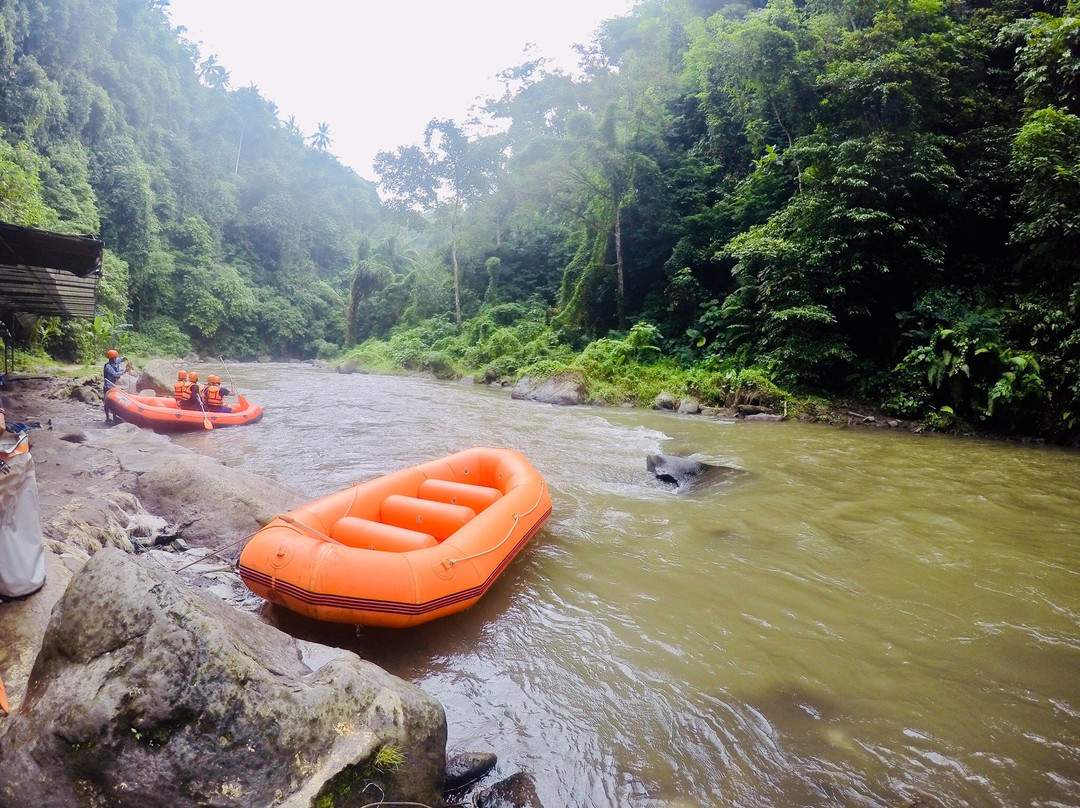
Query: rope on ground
column 215, row 553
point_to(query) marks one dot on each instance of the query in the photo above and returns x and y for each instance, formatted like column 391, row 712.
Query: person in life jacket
column 181, row 388
column 193, row 401
column 214, row 395
column 113, row 372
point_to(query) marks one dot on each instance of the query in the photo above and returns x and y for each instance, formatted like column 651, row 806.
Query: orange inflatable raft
column 403, row 549
column 161, row 413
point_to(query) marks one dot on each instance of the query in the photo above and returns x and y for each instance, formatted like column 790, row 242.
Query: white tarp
column 22, row 553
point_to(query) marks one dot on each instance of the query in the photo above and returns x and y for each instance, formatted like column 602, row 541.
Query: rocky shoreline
column 140, row 673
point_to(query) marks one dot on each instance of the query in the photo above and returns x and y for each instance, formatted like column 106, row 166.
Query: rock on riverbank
column 149, row 691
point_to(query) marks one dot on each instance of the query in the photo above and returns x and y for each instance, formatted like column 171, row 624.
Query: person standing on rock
column 113, row 372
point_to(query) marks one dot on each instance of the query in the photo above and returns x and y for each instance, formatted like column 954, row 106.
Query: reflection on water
column 862, row 617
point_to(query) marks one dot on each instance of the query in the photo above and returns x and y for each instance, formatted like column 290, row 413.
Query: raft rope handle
column 449, row 562
column 214, row 552
column 289, row 521
column 294, row 524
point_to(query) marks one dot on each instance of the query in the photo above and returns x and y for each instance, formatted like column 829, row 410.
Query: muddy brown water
column 860, row 618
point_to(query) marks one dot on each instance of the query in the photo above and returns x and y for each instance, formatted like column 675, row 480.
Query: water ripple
column 860, row 618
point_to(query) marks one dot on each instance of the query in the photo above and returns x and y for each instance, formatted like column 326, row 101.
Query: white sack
column 22, row 551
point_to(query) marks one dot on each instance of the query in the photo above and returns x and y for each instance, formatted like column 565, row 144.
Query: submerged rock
column 468, row 767
column 685, row 472
column 763, row 416
column 148, row 692
column 516, row 791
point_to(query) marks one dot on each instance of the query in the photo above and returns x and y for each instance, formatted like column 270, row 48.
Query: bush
column 161, row 336
column 326, row 350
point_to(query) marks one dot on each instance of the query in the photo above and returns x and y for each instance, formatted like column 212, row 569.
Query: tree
column 321, row 140
column 442, row 179
column 212, row 74
column 20, row 186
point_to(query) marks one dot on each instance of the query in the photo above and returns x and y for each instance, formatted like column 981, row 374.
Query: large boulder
column 158, row 376
column 22, row 626
column 689, row 406
column 665, row 401
column 148, row 692
column 212, row 505
column 564, row 389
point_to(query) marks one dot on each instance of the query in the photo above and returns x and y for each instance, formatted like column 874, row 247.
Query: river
column 857, row 618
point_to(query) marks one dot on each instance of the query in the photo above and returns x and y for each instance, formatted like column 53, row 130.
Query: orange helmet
column 181, row 376
column 193, row 376
column 214, row 379
column 112, row 354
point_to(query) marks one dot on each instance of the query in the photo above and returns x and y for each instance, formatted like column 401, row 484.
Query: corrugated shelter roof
column 48, row 273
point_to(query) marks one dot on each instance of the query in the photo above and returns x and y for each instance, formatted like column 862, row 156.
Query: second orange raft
column 162, row 414
column 402, row 549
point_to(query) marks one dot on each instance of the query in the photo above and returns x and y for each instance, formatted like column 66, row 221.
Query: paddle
column 205, row 418
column 3, row 699
column 232, row 381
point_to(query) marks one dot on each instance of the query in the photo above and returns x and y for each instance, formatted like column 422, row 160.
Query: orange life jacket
column 213, row 395
column 181, row 390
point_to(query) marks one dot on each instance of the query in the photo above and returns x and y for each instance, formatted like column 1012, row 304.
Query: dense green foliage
column 877, row 200
column 225, row 232
column 845, row 198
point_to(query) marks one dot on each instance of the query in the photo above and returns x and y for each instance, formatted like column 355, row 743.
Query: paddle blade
column 206, row 422
column 3, row 699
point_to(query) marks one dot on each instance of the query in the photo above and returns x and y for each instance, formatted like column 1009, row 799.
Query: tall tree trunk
column 619, row 265
column 454, row 263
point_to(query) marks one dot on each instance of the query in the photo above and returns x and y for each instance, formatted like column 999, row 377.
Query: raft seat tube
column 371, row 535
column 440, row 519
column 476, row 497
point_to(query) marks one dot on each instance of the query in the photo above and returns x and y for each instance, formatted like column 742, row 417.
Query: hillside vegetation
column 839, row 198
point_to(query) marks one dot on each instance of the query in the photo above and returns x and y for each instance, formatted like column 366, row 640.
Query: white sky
column 377, row 71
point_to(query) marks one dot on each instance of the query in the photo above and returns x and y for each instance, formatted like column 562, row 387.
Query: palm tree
column 398, row 251
column 321, row 140
column 292, row 127
column 213, row 74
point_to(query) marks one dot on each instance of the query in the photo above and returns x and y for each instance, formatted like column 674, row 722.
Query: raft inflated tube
column 414, row 545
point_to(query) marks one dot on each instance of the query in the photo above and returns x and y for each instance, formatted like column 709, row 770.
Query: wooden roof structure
column 48, row 273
